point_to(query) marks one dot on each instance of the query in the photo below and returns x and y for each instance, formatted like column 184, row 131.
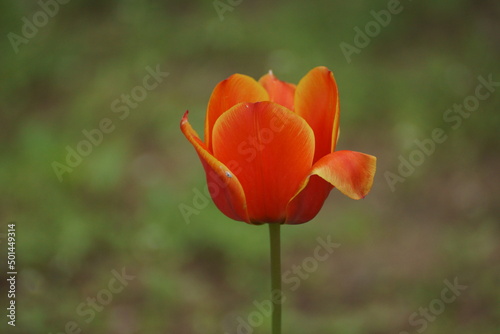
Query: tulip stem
column 276, row 293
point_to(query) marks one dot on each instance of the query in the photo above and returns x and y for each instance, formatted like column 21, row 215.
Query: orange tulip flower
column 269, row 150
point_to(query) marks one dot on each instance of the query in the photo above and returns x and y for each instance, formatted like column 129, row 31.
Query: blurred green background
column 119, row 207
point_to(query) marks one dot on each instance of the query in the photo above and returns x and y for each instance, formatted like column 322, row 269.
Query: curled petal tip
column 323, row 68
column 184, row 117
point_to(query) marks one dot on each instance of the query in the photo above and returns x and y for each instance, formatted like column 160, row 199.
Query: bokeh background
column 119, row 207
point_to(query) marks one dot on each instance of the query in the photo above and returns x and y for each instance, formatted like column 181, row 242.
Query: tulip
column 269, row 148
column 269, row 155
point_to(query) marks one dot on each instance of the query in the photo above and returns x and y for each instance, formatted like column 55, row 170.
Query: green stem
column 274, row 234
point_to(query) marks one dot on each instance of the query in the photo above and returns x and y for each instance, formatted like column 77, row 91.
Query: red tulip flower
column 269, row 149
column 269, row 155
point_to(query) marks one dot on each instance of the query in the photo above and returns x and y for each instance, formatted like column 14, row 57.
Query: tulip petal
column 351, row 172
column 235, row 89
column 225, row 188
column 279, row 91
column 316, row 100
column 272, row 149
column 307, row 203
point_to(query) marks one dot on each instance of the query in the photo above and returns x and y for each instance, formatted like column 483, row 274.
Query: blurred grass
column 119, row 207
